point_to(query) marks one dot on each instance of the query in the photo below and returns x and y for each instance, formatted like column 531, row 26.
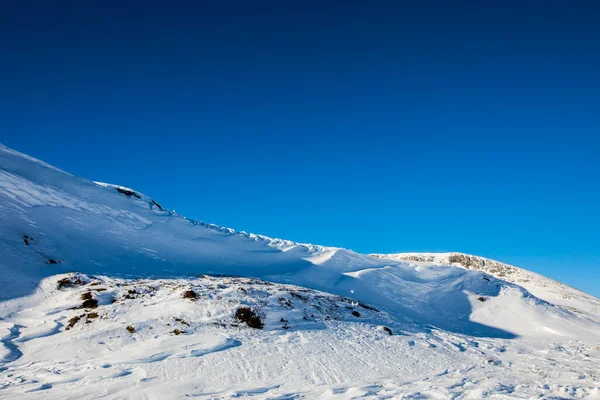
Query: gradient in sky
column 376, row 126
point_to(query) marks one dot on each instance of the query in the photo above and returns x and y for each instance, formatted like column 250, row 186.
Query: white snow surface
column 543, row 287
column 463, row 327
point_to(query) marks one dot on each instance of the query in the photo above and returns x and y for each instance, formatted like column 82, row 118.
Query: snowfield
column 108, row 294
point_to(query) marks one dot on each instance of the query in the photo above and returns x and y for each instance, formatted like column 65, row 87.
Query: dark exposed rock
column 491, row 267
column 298, row 296
column 461, row 259
column 69, row 282
column 73, row 321
column 157, row 205
column 91, row 303
column 128, row 193
column 131, row 294
column 190, row 294
column 249, row 317
column 285, row 303
column 181, row 321
column 367, row 307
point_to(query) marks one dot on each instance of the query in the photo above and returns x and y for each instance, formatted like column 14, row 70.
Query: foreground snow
column 461, row 327
column 313, row 344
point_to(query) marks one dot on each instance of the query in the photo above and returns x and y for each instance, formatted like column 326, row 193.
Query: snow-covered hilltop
column 543, row 287
column 105, row 292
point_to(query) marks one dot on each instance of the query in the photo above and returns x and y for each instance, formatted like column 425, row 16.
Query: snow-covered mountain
column 542, row 287
column 107, row 293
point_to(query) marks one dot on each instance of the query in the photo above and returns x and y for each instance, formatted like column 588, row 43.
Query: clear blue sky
column 387, row 127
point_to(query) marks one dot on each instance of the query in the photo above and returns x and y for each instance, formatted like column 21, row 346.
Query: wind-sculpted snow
column 545, row 288
column 453, row 315
column 72, row 224
column 145, row 338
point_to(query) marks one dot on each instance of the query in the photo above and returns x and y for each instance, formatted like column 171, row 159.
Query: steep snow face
column 545, row 288
column 53, row 222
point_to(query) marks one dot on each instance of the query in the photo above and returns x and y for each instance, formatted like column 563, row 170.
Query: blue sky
column 387, row 128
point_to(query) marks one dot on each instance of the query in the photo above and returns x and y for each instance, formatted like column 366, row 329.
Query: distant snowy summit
column 543, row 287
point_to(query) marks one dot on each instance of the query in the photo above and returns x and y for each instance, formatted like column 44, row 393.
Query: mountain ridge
column 532, row 281
column 120, row 229
column 106, row 293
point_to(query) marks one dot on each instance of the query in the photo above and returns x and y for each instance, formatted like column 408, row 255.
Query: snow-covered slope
column 136, row 257
column 543, row 287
